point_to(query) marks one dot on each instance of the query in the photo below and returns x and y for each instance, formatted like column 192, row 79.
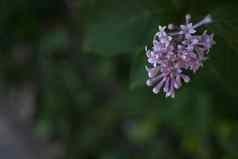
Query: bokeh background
column 72, row 82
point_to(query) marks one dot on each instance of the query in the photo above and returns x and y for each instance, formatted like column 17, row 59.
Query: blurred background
column 72, row 82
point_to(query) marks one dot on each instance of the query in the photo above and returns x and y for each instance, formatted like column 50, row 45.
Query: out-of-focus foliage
column 87, row 59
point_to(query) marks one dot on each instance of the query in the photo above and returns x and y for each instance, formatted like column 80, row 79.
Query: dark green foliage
column 87, row 59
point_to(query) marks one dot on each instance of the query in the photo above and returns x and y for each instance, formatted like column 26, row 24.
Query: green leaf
column 115, row 35
column 225, row 24
column 224, row 54
column 56, row 40
column 138, row 73
column 122, row 28
column 190, row 111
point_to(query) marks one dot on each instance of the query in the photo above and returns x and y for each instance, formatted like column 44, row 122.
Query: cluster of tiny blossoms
column 176, row 50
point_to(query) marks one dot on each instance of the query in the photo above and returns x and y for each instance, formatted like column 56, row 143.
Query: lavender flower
column 187, row 30
column 176, row 50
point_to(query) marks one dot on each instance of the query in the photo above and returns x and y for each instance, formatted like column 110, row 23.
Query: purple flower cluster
column 176, row 50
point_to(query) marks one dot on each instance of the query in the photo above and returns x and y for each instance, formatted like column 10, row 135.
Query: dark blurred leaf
column 54, row 41
column 145, row 130
column 116, row 34
column 138, row 73
column 225, row 24
column 122, row 28
column 224, row 55
column 190, row 111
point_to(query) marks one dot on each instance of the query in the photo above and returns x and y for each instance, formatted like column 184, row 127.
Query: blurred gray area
column 17, row 141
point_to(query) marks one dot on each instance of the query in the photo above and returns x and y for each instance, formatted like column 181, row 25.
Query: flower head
column 176, row 50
